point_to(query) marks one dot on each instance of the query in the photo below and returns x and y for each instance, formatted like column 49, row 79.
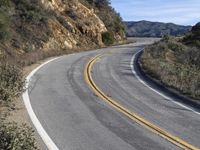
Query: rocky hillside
column 43, row 25
column 154, row 29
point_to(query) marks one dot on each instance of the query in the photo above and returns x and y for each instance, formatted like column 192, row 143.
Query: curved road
column 77, row 119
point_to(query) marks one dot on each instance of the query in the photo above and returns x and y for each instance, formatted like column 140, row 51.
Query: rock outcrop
column 79, row 24
column 47, row 25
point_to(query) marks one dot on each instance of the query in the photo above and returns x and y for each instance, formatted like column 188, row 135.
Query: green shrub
column 108, row 38
column 90, row 1
column 196, row 29
column 11, row 82
column 193, row 38
column 30, row 11
column 14, row 137
column 166, row 38
column 4, row 3
column 4, row 25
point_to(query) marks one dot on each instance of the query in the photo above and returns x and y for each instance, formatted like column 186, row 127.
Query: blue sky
column 185, row 12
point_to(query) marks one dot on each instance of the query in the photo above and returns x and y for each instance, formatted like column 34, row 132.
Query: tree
column 90, row 2
column 108, row 38
column 102, row 3
column 196, row 29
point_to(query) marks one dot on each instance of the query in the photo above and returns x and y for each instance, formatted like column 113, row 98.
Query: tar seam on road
column 155, row 129
column 41, row 131
column 154, row 90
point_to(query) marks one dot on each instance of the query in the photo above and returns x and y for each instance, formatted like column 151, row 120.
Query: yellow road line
column 155, row 129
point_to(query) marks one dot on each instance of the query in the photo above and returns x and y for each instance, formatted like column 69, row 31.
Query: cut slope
column 44, row 25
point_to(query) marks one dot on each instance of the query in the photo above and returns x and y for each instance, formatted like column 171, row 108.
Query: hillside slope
column 176, row 62
column 154, row 29
column 32, row 25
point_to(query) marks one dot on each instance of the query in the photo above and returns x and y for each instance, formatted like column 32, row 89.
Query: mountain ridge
column 145, row 28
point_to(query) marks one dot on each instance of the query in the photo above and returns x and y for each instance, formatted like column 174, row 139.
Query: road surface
column 76, row 118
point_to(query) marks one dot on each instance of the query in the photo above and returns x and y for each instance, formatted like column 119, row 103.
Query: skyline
column 185, row 12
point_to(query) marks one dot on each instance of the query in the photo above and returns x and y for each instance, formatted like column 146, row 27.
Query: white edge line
column 41, row 131
column 154, row 90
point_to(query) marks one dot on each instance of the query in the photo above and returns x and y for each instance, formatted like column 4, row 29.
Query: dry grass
column 172, row 63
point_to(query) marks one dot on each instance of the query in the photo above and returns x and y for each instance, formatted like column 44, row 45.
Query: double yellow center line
column 155, row 129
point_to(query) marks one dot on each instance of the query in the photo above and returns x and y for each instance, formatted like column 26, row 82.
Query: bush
column 108, row 38
column 11, row 82
column 13, row 137
column 30, row 11
column 4, row 3
column 4, row 25
column 90, row 1
column 193, row 38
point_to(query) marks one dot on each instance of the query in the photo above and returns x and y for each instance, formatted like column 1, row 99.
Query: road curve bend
column 75, row 117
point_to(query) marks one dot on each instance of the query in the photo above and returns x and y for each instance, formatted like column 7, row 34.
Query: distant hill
column 154, row 29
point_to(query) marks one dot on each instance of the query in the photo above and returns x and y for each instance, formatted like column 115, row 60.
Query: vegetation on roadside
column 12, row 135
column 176, row 62
column 11, row 83
column 15, row 137
column 107, row 38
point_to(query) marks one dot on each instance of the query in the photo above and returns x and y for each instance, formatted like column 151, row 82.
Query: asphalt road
column 77, row 119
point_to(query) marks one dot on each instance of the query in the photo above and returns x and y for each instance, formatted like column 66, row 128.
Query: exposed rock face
column 60, row 36
column 75, row 26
